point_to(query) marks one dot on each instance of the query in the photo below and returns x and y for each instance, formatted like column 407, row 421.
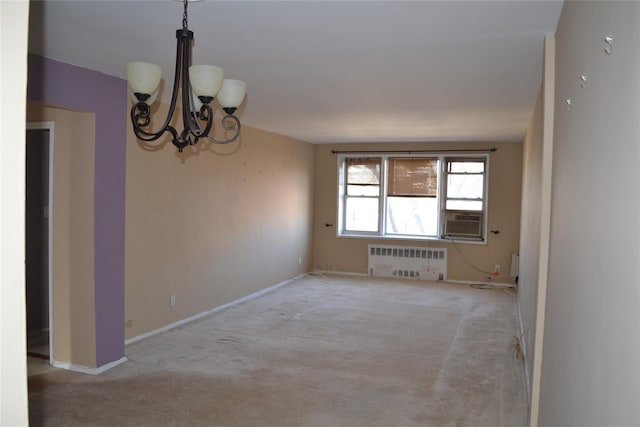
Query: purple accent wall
column 68, row 86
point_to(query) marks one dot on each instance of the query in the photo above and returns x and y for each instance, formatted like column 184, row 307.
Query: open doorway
column 39, row 138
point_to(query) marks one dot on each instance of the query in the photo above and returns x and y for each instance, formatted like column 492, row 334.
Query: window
column 429, row 197
column 362, row 196
column 465, row 184
column 412, row 196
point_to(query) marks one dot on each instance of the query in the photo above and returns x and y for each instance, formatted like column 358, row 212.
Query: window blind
column 363, row 171
column 413, row 177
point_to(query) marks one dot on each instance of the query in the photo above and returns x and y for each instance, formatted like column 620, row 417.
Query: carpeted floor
column 320, row 351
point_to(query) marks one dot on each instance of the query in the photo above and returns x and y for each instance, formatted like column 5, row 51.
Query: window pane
column 466, row 166
column 361, row 214
column 412, row 215
column 413, row 177
column 363, row 171
column 465, row 186
column 464, row 205
column 363, row 190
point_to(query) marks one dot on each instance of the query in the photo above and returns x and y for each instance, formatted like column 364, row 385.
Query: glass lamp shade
column 232, row 93
column 148, row 101
column 205, row 79
column 197, row 105
column 143, row 77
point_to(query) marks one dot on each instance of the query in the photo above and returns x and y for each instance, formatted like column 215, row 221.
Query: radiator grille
column 405, row 262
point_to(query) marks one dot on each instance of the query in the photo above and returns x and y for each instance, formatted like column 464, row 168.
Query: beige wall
column 533, row 250
column 72, row 214
column 213, row 224
column 590, row 370
column 348, row 254
column 537, row 162
column 530, row 230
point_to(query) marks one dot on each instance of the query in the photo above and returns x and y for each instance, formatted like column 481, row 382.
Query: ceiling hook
column 583, row 81
column 608, row 47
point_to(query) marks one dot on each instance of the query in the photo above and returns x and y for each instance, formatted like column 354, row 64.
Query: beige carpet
column 321, row 351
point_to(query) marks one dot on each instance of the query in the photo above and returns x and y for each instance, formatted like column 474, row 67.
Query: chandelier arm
column 185, row 84
column 229, row 123
column 141, row 112
column 149, row 137
column 180, row 35
column 189, row 122
column 189, row 119
column 206, row 115
column 140, row 117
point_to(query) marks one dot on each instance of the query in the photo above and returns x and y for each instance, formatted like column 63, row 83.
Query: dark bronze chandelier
column 198, row 84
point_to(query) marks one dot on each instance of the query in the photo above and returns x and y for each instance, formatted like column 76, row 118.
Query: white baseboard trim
column 461, row 282
column 525, row 352
column 340, row 273
column 496, row 284
column 209, row 312
column 87, row 370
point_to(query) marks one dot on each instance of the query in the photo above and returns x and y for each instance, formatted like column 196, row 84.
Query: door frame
column 48, row 125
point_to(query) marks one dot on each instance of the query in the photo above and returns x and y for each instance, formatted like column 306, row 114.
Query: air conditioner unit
column 463, row 224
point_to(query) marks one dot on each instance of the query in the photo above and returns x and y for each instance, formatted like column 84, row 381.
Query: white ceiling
column 332, row 71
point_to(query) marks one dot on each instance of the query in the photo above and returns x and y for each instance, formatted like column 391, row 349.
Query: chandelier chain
column 185, row 19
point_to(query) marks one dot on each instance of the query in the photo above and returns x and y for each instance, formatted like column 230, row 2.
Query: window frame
column 346, row 196
column 443, row 159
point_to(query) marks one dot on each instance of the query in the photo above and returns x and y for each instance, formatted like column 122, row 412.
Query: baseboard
column 496, row 284
column 340, row 273
column 525, row 351
column 461, row 282
column 87, row 370
column 208, row 312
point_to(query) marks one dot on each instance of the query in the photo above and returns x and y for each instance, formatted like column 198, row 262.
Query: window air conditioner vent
column 463, row 224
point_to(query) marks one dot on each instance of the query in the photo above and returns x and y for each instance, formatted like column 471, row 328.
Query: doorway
column 38, row 197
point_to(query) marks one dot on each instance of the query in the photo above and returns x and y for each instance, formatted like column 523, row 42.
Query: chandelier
column 198, row 84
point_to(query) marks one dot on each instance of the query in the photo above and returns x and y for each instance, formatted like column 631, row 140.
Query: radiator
column 410, row 263
column 515, row 265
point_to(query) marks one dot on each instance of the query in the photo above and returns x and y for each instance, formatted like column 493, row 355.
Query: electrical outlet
column 497, row 268
column 173, row 300
column 299, row 260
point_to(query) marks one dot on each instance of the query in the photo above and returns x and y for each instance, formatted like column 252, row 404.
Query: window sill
column 412, row 238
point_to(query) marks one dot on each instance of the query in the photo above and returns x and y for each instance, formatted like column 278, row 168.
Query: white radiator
column 410, row 263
